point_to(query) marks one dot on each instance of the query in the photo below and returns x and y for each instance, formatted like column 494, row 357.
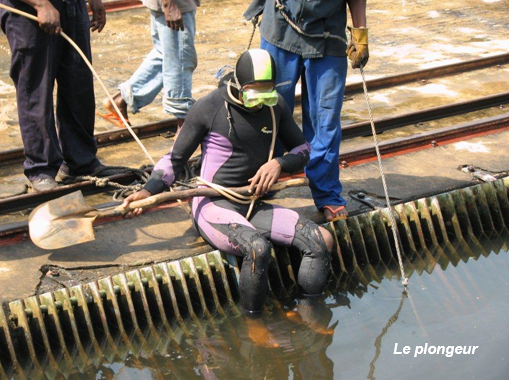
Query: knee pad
column 309, row 240
column 253, row 246
column 315, row 265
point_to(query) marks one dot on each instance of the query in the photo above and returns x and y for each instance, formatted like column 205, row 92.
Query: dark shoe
column 101, row 171
column 42, row 184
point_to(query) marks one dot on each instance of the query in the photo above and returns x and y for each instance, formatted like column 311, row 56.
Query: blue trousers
column 38, row 60
column 323, row 87
column 169, row 67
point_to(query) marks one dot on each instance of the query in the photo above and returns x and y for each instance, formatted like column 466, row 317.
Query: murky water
column 462, row 300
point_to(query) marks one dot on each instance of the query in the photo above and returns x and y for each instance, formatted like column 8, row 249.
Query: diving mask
column 253, row 98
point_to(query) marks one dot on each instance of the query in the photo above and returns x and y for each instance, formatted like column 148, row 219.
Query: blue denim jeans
column 323, row 87
column 168, row 66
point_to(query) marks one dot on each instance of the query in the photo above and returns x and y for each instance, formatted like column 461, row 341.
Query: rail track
column 348, row 157
column 357, row 129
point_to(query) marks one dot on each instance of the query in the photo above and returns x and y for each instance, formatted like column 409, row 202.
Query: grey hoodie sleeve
column 255, row 9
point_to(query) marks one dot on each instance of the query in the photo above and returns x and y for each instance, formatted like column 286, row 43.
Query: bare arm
column 98, row 15
column 358, row 12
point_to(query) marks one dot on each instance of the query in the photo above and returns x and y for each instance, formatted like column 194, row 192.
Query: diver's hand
column 265, row 177
column 139, row 195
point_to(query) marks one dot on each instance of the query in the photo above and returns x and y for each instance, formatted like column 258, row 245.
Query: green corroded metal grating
column 146, row 310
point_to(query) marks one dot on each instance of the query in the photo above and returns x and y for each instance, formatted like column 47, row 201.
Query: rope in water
column 384, row 183
column 378, row 341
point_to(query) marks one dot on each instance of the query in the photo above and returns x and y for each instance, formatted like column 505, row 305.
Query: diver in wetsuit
column 234, row 126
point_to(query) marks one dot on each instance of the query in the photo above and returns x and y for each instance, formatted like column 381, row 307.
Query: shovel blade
column 61, row 222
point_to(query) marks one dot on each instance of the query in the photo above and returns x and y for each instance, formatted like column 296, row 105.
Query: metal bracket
column 371, row 200
column 477, row 173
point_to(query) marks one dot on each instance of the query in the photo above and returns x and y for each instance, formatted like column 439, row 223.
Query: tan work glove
column 357, row 49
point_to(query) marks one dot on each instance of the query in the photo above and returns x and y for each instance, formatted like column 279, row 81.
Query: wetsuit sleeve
column 293, row 140
column 171, row 165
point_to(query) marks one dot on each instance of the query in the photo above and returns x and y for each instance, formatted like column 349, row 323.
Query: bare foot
column 296, row 318
column 334, row 213
column 259, row 333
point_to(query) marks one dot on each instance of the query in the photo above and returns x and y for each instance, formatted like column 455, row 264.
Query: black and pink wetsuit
column 235, row 143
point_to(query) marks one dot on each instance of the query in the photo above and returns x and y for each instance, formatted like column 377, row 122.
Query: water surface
column 464, row 301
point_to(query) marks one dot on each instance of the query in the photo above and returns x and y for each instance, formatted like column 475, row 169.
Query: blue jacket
column 312, row 16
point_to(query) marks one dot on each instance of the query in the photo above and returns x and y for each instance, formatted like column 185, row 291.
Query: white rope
column 386, row 192
column 228, row 193
column 184, row 206
column 80, row 52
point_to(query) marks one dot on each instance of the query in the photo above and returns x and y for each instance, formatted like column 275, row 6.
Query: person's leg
column 75, row 94
column 33, row 72
column 179, row 62
column 324, row 90
column 285, row 227
column 289, row 67
column 222, row 226
column 147, row 81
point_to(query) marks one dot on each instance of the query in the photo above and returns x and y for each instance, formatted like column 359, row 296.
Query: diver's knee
column 312, row 239
column 260, row 246
column 327, row 238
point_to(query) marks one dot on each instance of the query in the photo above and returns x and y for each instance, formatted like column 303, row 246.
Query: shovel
column 68, row 220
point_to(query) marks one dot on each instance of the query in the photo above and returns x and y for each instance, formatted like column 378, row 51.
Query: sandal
column 333, row 213
column 114, row 119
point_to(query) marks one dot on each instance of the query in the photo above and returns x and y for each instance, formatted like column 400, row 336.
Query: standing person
column 234, row 125
column 308, row 41
column 39, row 57
column 169, row 66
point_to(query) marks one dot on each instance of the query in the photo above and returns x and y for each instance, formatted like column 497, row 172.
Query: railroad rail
column 122, row 5
column 163, row 126
column 15, row 232
column 350, row 157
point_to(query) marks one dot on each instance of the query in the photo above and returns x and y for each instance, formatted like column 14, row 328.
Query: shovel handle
column 198, row 192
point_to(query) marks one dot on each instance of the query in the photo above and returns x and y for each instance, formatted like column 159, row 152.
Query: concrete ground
column 404, row 36
column 168, row 234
